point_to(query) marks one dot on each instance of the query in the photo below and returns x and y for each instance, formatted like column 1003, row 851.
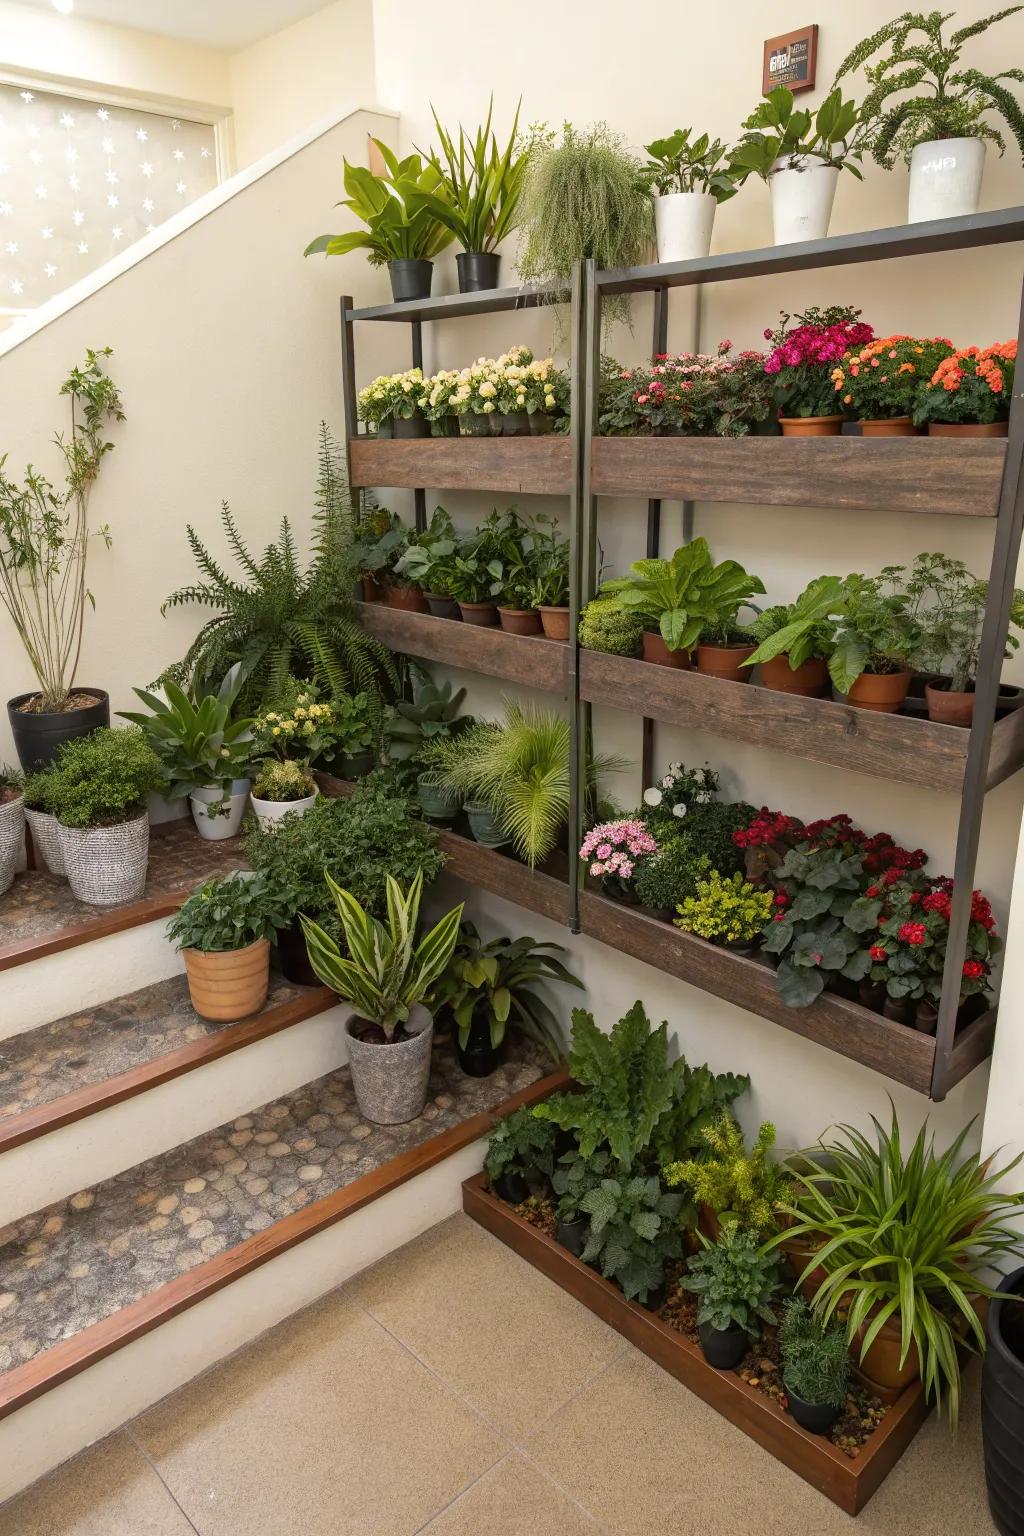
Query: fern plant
column 944, row 101
column 278, row 618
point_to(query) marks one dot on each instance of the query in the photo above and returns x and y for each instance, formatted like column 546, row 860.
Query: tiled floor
column 453, row 1391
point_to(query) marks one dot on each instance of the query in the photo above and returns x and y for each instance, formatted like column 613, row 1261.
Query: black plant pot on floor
column 410, row 279
column 723, row 1348
column 479, row 1058
column 477, row 270
column 37, row 737
column 816, row 1417
column 1002, row 1407
column 293, row 957
column 512, row 1187
column 573, row 1234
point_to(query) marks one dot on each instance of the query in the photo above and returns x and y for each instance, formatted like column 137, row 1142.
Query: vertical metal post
column 1002, row 578
column 585, row 341
column 419, row 494
column 659, row 343
column 348, row 376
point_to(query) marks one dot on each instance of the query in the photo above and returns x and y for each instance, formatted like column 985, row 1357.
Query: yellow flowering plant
column 301, row 726
column 725, row 911
column 393, row 395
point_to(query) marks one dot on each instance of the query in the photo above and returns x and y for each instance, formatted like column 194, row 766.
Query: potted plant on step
column 41, row 819
column 676, row 597
column 948, row 603
column 801, row 363
column 224, row 931
column 736, row 1279
column 815, row 1366
column 795, row 639
column 282, row 789
column 44, row 542
column 99, row 795
column 937, row 123
column 402, row 232
column 800, row 154
column 520, row 1153
column 481, row 190
column 731, row 1186
column 385, row 974
column 12, row 824
column 691, row 177
column 969, row 393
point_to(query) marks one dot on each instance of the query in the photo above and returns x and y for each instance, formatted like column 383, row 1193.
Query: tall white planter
column 802, row 200
column 218, row 814
column 945, row 179
column 684, row 221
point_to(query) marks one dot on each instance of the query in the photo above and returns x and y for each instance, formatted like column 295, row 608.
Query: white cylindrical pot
column 46, row 841
column 107, row 865
column 390, row 1081
column 218, row 813
column 801, row 200
column 269, row 812
column 945, row 179
column 684, row 221
column 162, row 810
column 12, row 840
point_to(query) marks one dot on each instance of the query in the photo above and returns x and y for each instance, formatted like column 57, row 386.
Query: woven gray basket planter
column 390, row 1081
column 46, row 841
column 107, row 865
column 12, row 840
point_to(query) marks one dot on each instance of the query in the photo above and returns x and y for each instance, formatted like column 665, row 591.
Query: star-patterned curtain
column 80, row 181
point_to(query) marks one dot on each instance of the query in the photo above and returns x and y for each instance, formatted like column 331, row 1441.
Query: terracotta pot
column 479, row 613
column 520, row 621
column 881, row 1364
column 926, row 1017
column 725, row 662
column 967, row 428
column 657, row 651
column 799, row 1251
column 949, row 708
column 811, row 680
column 881, row 691
column 409, row 598
column 555, row 623
column 895, row 426
column 811, row 426
column 228, row 984
column 371, row 591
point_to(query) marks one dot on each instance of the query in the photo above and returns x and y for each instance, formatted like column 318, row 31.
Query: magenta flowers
column 803, row 356
column 615, row 846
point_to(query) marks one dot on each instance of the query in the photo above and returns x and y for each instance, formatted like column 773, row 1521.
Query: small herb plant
column 227, row 913
column 876, row 631
column 103, row 778
column 604, row 626
column 737, row 1280
column 669, row 878
column 548, row 565
column 520, row 1143
column 286, row 780
column 741, row 1187
column 949, row 605
column 401, row 222
column 682, row 163
column 679, row 596
column 575, row 1176
column 352, row 723
column 777, row 131
column 634, row 1232
column 815, row 1357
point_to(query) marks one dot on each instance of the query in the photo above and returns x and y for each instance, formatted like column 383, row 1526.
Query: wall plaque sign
column 789, row 60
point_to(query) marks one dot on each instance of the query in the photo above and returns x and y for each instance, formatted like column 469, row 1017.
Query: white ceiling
column 228, row 24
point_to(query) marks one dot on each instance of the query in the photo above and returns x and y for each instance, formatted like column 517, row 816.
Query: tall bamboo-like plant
column 944, row 101
column 45, row 535
column 483, row 184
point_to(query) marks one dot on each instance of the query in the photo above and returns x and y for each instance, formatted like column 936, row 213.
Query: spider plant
column 482, row 184
column 905, row 1238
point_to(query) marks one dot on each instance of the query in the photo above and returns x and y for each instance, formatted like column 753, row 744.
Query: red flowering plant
column 972, row 386
column 694, row 394
column 803, row 357
column 766, row 840
column 909, row 949
column 882, row 380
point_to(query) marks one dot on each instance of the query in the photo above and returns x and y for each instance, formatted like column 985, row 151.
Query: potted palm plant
column 676, row 597
column 224, row 931
column 927, row 108
column 12, row 824
column 800, row 154
column 44, row 541
column 385, row 973
column 402, row 231
column 99, row 794
column 691, row 178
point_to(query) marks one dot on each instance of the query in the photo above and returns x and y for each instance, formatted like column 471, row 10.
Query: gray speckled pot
column 12, row 840
column 390, row 1081
column 46, row 841
column 107, row 865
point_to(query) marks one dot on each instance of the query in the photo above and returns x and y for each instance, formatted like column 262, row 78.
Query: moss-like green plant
column 815, row 1357
column 104, row 778
column 671, row 876
column 728, row 911
column 604, row 626
column 738, row 1186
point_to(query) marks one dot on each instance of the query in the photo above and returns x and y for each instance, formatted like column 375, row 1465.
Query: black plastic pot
column 723, row 1348
column 541, row 423
column 445, row 426
column 573, row 1234
column 476, row 425
column 386, row 428
column 818, row 1418
column 480, row 1058
column 410, row 279
column 412, row 426
column 442, row 607
column 512, row 1188
column 515, row 424
column 477, row 270
column 1002, row 1407
column 293, row 957
column 37, row 737
column 354, row 765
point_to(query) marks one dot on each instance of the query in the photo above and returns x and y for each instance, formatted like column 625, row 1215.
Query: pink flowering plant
column 694, row 394
column 614, row 849
column 805, row 353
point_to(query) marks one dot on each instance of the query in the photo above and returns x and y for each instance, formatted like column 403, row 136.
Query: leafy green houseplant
column 815, row 1365
column 520, row 1152
column 948, row 604
column 875, row 642
column 739, row 1187
column 385, row 973
column 675, row 598
column 402, row 230
column 634, row 1232
column 795, row 640
column 482, row 187
column 736, row 1279
column 671, row 876
column 44, row 544
column 691, row 176
column 98, row 790
column 800, row 153
column 282, row 789
column 224, row 931
column 427, row 559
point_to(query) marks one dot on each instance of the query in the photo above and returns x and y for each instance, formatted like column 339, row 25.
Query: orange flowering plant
column 881, row 381
column 973, row 385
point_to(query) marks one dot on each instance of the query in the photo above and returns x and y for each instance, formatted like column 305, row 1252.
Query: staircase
column 170, row 1188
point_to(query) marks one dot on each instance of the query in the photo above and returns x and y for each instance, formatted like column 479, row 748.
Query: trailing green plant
column 801, row 630
column 227, row 913
column 286, row 780
column 495, row 982
column 103, row 778
column 680, row 163
column 834, row 135
column 678, row 596
column 815, row 1357
column 520, row 1143
column 634, row 1232
column 907, row 1239
column 45, row 535
column 725, row 909
column 385, row 970
column 741, row 1187
column 605, row 626
column 946, row 100
column 398, row 209
column 736, row 1279
column 671, row 876
column 201, row 743
column 948, row 604
column 482, row 184
column 279, row 620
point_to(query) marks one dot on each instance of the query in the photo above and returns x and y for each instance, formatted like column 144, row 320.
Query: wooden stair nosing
column 70, row 1107
column 70, row 1357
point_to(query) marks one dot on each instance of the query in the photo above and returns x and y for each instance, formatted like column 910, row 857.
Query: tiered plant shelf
column 531, row 661
column 540, row 466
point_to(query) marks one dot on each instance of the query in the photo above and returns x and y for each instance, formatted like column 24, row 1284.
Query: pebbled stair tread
column 86, row 1257
column 99, row 1043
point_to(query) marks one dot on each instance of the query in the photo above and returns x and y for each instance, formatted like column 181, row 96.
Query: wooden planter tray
column 532, row 661
column 541, row 465
column 848, row 1482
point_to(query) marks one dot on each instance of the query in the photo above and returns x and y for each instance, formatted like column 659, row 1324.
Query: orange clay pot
column 895, row 426
column 657, row 651
column 949, row 708
column 228, row 984
column 725, row 662
column 520, row 621
column 555, row 622
column 410, row 599
column 479, row 613
column 811, row 680
column 881, row 691
column 881, row 1364
column 371, row 591
column 967, row 428
column 810, row 426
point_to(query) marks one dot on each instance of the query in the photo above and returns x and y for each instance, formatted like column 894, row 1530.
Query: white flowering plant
column 678, row 789
column 436, row 403
column 393, row 395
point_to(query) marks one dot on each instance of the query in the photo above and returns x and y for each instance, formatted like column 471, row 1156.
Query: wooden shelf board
column 517, row 465
column 531, row 661
column 953, row 476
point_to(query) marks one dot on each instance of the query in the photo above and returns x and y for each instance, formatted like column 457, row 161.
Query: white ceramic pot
column 945, row 179
column 12, row 840
column 162, row 810
column 107, row 865
column 684, row 221
column 269, row 812
column 218, row 814
column 801, row 200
